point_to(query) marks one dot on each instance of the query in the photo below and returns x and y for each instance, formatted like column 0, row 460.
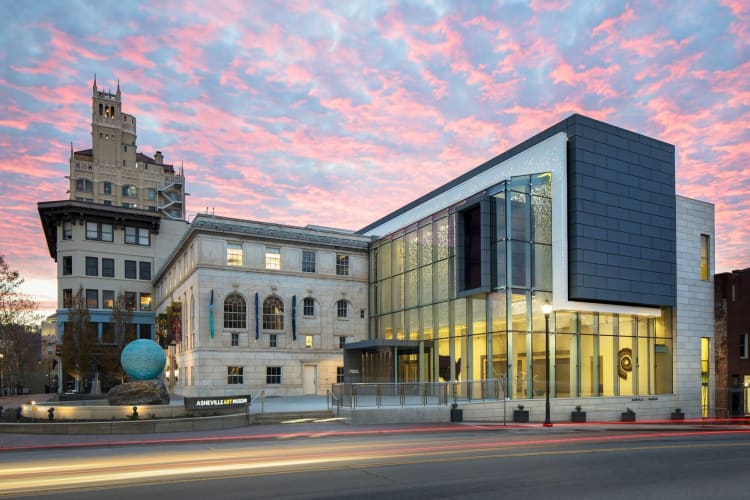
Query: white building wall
column 695, row 304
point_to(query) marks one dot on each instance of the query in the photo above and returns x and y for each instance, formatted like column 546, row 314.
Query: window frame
column 342, row 309
column 342, row 265
column 147, row 305
column 67, row 265
column 235, row 375
column 273, row 258
column 92, row 266
column 144, row 270
column 235, row 317
column 273, row 319
column 235, row 254
column 308, row 263
column 273, row 375
column 92, row 297
column 744, row 346
column 108, row 267
column 308, row 307
column 108, row 299
column 132, row 273
column 235, row 339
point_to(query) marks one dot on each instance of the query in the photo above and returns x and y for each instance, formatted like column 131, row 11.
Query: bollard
column 51, row 413
column 135, row 412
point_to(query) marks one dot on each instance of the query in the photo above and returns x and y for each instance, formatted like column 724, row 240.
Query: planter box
column 627, row 416
column 521, row 416
column 677, row 416
column 578, row 416
column 457, row 415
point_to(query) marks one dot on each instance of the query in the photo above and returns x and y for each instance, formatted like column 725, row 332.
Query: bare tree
column 122, row 327
column 18, row 325
column 79, row 339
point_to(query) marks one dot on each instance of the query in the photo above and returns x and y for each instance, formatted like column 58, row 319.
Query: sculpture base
column 139, row 392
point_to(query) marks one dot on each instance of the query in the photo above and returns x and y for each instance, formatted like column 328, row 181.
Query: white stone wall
column 695, row 305
column 200, row 266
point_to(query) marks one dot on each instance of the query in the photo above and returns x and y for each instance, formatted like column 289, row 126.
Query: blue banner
column 257, row 326
column 294, row 317
column 211, row 314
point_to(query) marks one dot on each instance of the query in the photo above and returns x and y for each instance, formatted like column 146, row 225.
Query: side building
column 583, row 217
column 733, row 342
column 252, row 306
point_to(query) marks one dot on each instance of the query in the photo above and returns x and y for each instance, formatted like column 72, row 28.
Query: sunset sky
column 335, row 113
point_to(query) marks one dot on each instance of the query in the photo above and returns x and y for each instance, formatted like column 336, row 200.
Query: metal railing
column 354, row 395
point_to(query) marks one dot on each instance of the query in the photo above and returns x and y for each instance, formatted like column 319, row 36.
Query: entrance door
column 310, row 379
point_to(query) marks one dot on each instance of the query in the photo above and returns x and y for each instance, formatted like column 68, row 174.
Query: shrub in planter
column 578, row 416
column 627, row 416
column 520, row 415
column 677, row 414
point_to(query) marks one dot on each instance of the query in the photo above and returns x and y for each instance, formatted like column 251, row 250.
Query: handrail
column 262, row 396
column 330, row 397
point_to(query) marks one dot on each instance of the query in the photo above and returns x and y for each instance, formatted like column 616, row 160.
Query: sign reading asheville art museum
column 221, row 403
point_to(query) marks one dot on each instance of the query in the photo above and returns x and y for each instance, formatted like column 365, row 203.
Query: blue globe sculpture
column 143, row 359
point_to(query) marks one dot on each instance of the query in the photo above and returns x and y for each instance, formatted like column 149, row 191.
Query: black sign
column 219, row 403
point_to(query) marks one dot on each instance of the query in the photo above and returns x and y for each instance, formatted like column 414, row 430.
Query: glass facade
column 469, row 283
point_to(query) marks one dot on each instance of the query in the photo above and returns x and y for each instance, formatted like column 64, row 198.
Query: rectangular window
column 92, row 266
column 705, row 257
column 92, row 299
column 108, row 267
column 144, row 270
column 108, row 299
column 144, row 331
column 137, row 236
column 145, row 302
column 273, row 375
column 272, row 341
column 308, row 306
column 131, row 270
column 67, row 298
column 107, row 187
column 235, row 375
column 98, row 231
column 234, row 254
column 67, row 265
column 67, row 230
column 235, row 339
column 273, row 258
column 308, row 261
column 151, row 194
column 342, row 265
column 308, row 341
column 744, row 346
column 130, row 298
column 342, row 309
column 342, row 342
column 339, row 374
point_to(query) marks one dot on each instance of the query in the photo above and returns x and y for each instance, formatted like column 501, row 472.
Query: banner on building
column 175, row 325
column 211, row 314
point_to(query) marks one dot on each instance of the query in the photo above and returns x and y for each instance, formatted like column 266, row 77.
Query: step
column 290, row 416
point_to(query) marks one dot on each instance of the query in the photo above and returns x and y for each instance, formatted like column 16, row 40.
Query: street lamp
column 546, row 309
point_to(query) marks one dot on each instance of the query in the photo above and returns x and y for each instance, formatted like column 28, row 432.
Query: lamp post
column 546, row 309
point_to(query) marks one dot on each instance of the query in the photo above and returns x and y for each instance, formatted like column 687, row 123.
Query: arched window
column 342, row 309
column 129, row 191
column 273, row 314
column 235, row 312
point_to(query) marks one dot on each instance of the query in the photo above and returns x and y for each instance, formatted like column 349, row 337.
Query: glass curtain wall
column 499, row 333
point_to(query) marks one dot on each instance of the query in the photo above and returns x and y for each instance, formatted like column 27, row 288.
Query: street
column 446, row 464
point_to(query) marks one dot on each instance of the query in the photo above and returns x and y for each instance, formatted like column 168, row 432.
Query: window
column 108, row 267
column 92, row 266
column 144, row 270
column 272, row 341
column 67, row 230
column 137, row 235
column 67, row 298
column 342, row 342
column 308, row 306
column 235, row 312
column 308, row 261
column 342, row 265
column 151, row 194
column 342, row 309
column 144, row 331
column 92, row 299
column 107, row 188
column 273, row 374
column 108, row 299
column 108, row 333
column 67, row 265
column 705, row 257
column 84, row 185
column 129, row 191
column 145, row 304
column 308, row 341
column 235, row 375
column 235, row 339
column 98, row 231
column 130, row 270
column 130, row 298
column 273, row 314
column 744, row 348
column 339, row 374
column 234, row 254
column 273, row 258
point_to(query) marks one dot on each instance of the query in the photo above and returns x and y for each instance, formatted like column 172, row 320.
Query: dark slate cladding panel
column 621, row 216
